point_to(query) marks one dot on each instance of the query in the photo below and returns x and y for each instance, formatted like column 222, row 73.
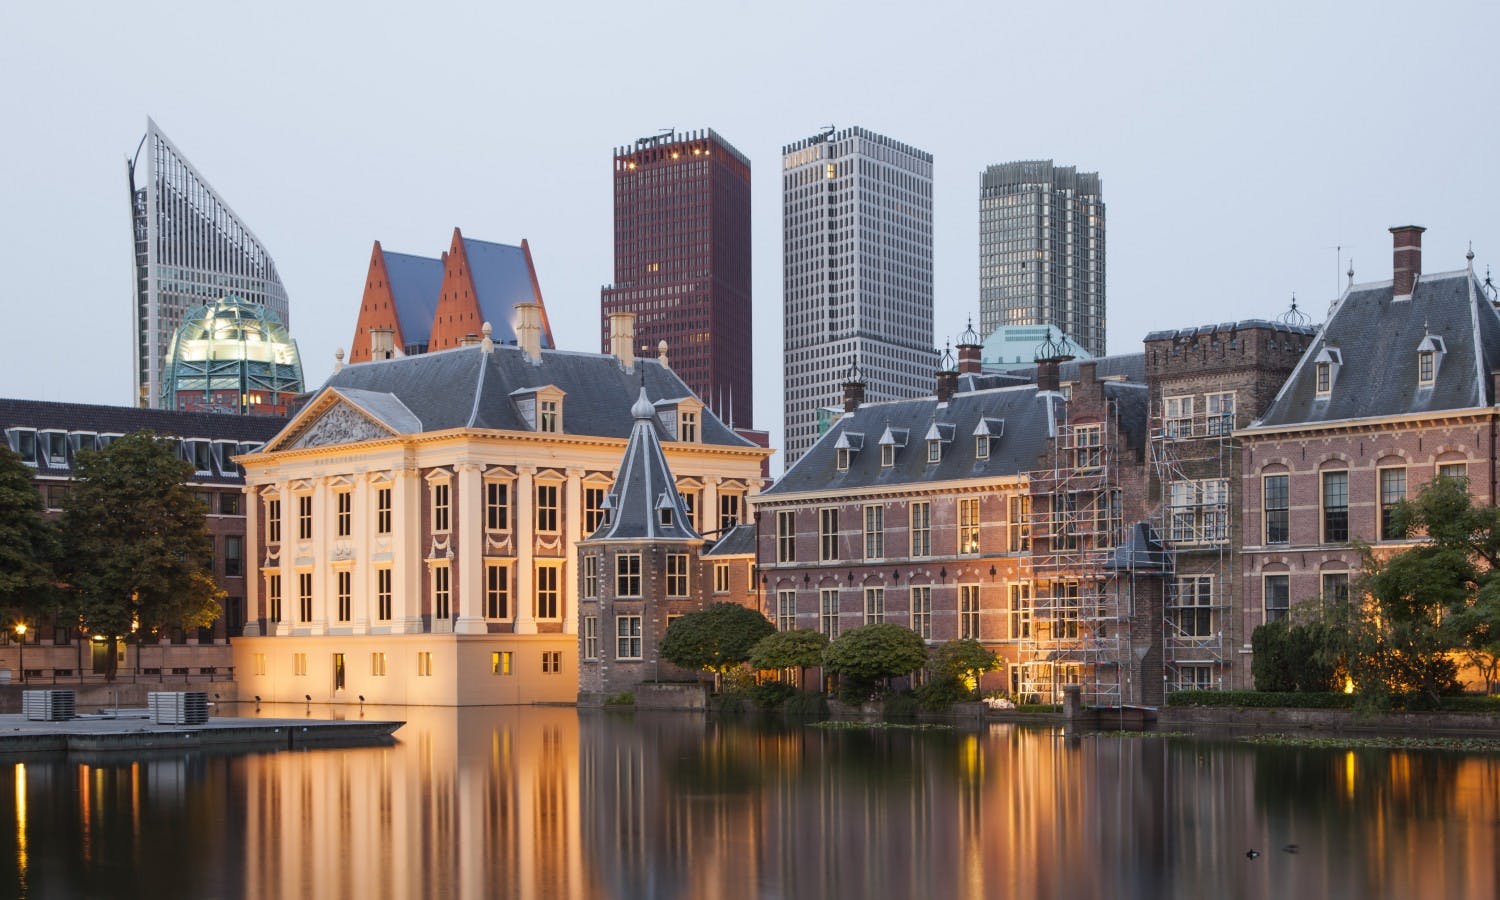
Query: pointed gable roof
column 482, row 282
column 401, row 293
column 645, row 488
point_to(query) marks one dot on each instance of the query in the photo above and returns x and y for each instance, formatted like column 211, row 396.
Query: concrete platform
column 133, row 730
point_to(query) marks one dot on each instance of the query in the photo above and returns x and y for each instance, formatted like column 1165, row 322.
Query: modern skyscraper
column 190, row 250
column 1041, row 250
column 682, row 262
column 856, row 274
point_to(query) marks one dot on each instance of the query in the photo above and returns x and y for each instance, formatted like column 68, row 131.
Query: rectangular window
column 968, row 611
column 1020, row 611
column 1065, row 616
column 828, row 533
column 921, row 528
column 344, row 508
column 229, row 504
column 1335, row 507
column 1199, row 511
column 501, row 662
column 690, row 506
column 304, row 596
column 442, row 595
column 590, row 576
column 1019, row 528
column 1190, row 605
column 383, row 594
column 338, row 671
column 1220, row 409
column 1177, row 417
column 1278, row 597
column 299, row 663
column 1392, row 492
column 1278, row 509
column 1453, row 470
column 590, row 637
column 497, row 591
column 234, row 555
column 273, row 597
column 968, row 525
column 546, row 507
column 548, row 591
column 828, row 612
column 1425, row 366
column 627, row 575
column 1088, row 446
column 593, row 508
column 497, row 506
column 874, row 605
column 874, row 531
column 981, row 446
column 345, row 592
column 383, row 510
column 729, row 511
column 424, row 663
column 677, row 575
column 1324, row 378
column 304, row 518
column 921, row 610
column 377, row 664
column 1196, row 677
column 551, row 417
column 841, row 459
column 887, row 455
column 934, row 451
column 551, row 662
column 687, row 426
column 1335, row 587
column 786, row 536
column 786, row 610
column 441, row 497
column 627, row 637
column 721, row 578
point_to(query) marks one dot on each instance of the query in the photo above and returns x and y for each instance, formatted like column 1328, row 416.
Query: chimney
column 1087, row 372
column 622, row 339
column 1407, row 259
column 529, row 330
column 969, row 350
column 854, row 394
column 947, row 386
column 382, row 343
column 469, row 340
column 1048, row 375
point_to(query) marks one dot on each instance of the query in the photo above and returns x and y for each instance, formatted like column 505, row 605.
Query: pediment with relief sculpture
column 341, row 423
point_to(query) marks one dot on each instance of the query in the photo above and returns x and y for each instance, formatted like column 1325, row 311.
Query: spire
column 644, row 503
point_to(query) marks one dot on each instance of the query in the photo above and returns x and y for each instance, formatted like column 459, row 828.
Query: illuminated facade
column 190, row 250
column 232, row 357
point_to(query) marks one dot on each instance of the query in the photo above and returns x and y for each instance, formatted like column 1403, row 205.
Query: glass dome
column 231, row 356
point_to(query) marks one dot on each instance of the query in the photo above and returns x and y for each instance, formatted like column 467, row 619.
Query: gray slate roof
column 1127, row 366
column 467, row 387
column 502, row 278
column 415, row 282
column 1028, row 414
column 737, row 541
column 644, row 489
column 1377, row 339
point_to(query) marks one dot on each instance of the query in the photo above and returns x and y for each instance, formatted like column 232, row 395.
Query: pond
column 552, row 802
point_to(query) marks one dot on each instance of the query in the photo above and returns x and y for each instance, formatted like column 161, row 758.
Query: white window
column 550, row 419
column 968, row 611
column 628, row 575
column 441, row 496
column 497, row 590
column 383, row 510
column 590, row 637
column 1177, row 416
column 1019, row 527
column 786, row 610
column 1220, row 409
column 344, row 580
column 677, row 574
column 828, row 612
column 721, row 578
column 442, row 595
column 921, row 528
column 874, row 605
column 1200, row 511
column 874, row 531
column 344, row 513
column 627, row 637
column 497, row 506
column 687, row 426
column 1020, row 610
column 1088, row 444
column 546, row 507
column 786, row 536
column 549, row 590
column 921, row 610
column 590, row 575
column 968, row 525
column 383, row 595
column 828, row 533
column 1190, row 600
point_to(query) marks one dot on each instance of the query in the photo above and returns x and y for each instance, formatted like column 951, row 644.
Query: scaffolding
column 1075, row 521
column 1192, row 459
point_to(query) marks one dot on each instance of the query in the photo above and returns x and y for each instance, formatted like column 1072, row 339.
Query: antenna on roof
column 1489, row 285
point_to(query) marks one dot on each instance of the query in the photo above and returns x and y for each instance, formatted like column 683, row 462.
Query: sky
column 1248, row 151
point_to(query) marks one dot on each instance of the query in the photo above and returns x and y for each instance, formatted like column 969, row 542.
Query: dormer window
column 1326, row 370
column 1325, row 378
column 887, row 455
column 687, row 426
column 986, row 431
column 1429, row 355
column 23, row 443
column 934, row 451
column 841, row 458
column 540, row 408
column 889, row 441
column 664, row 510
column 981, row 446
column 938, row 434
column 848, row 444
column 550, row 418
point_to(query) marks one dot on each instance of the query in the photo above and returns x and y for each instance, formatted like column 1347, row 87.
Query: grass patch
column 1408, row 742
column 1261, row 699
column 625, row 698
column 846, row 725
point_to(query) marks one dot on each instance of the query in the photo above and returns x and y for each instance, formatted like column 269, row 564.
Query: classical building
column 232, row 356
column 415, row 304
column 190, row 250
column 415, row 527
column 856, row 274
column 48, row 437
column 682, row 262
column 1041, row 250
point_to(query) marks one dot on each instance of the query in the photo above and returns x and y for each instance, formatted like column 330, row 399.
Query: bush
column 900, row 708
column 940, row 693
column 855, row 691
column 963, row 660
column 796, row 649
column 624, row 698
column 1261, row 699
column 1470, row 703
column 771, row 694
column 716, row 639
column 1293, row 657
column 805, row 704
column 731, row 705
column 872, row 653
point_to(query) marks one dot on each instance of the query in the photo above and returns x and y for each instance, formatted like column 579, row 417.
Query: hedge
column 1262, row 699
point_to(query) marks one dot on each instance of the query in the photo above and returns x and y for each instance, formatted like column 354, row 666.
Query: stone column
column 572, row 512
column 468, row 531
column 525, row 536
column 322, row 552
column 285, row 561
column 709, row 514
column 362, row 536
column 407, row 552
column 255, row 555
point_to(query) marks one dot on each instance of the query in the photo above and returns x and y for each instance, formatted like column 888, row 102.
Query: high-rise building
column 856, row 274
column 682, row 262
column 190, row 251
column 1041, row 250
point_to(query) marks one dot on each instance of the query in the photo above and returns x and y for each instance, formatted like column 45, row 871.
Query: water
column 522, row 802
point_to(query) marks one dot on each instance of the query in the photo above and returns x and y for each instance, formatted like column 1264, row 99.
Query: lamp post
column 21, row 636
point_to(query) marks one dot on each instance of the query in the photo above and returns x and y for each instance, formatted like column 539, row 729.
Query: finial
column 338, row 359
column 1470, row 256
column 854, row 376
column 970, row 337
column 1294, row 316
column 945, row 362
column 661, row 352
column 1351, row 271
column 487, row 345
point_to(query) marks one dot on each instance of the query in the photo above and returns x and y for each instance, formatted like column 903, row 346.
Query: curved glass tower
column 231, row 356
column 190, row 250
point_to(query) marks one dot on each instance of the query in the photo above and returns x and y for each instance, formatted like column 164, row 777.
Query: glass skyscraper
column 190, row 250
column 1041, row 250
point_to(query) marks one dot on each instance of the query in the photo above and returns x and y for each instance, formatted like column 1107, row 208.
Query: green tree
column 799, row 648
column 1288, row 656
column 28, row 545
column 872, row 654
column 716, row 639
column 963, row 660
column 136, row 540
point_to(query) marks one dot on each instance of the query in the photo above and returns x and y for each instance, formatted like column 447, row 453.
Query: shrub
column 1262, row 699
column 900, row 707
column 805, row 704
column 796, row 649
column 963, row 660
column 716, row 639
column 624, row 698
column 1292, row 657
column 771, row 694
column 875, row 652
column 940, row 693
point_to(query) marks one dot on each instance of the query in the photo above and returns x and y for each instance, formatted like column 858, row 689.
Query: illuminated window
column 1020, row 610
column 377, row 664
column 968, row 611
column 424, row 663
column 501, row 662
column 968, row 525
column 1018, row 531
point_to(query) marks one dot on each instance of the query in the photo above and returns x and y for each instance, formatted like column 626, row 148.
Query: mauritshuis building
column 682, row 262
column 856, row 273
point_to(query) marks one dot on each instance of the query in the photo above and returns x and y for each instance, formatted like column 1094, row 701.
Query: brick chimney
column 970, row 349
column 1048, row 374
column 854, row 394
column 1407, row 259
column 947, row 386
column 622, row 339
column 529, row 330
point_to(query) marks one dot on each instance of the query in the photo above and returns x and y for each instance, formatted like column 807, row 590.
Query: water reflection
column 552, row 803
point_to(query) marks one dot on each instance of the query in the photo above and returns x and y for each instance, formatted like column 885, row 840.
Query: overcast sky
column 1238, row 147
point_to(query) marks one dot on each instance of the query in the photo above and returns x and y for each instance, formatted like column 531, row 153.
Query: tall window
column 627, row 575
column 1426, row 367
column 1088, row 444
column 1190, row 605
column 627, row 637
column 442, row 594
column 874, row 531
column 304, row 518
column 383, row 594
column 1020, row 610
column 1335, row 507
column 687, row 426
column 874, row 605
column 548, row 591
column 968, row 611
column 1065, row 617
column 1335, row 587
column 1278, row 509
column 677, row 574
column 593, row 508
column 1200, row 511
column 1392, row 492
column 440, row 506
column 383, row 510
column 721, row 578
column 921, row 528
column 786, row 535
column 1177, row 417
column 344, row 513
column 828, row 612
column 1324, row 378
column 551, row 417
column 234, row 555
column 1220, row 413
column 590, row 637
column 304, row 597
column 424, row 663
column 841, row 459
column 497, row 591
column 968, row 525
column 786, row 610
column 1018, row 532
column 377, row 664
column 273, row 597
column 729, row 511
column 1278, row 597
column 921, row 610
column 496, row 506
column 273, row 521
column 590, row 575
column 887, row 455
column 828, row 533
column 690, row 505
column 344, row 593
column 546, row 507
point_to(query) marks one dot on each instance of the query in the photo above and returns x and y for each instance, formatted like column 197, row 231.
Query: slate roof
column 1132, row 403
column 502, row 278
column 1127, row 366
column 415, row 283
column 1141, row 552
column 465, row 387
column 1377, row 338
column 1029, row 418
column 644, row 489
column 737, row 541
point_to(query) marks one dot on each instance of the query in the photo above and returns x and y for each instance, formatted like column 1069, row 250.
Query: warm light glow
column 1349, row 773
column 21, row 860
column 21, row 629
column 1348, row 685
column 99, row 638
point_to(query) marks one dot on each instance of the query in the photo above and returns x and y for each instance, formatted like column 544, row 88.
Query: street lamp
column 21, row 636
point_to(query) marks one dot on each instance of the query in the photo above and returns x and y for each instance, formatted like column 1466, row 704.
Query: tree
column 1291, row 656
column 872, row 654
column 963, row 660
column 138, row 551
column 715, row 639
column 28, row 544
column 799, row 648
